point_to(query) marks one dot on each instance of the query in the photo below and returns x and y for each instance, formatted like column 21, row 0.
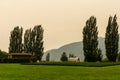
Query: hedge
column 86, row 64
column 15, row 60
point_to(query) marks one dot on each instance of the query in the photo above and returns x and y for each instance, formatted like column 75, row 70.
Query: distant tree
column 90, row 40
column 71, row 55
column 48, row 57
column 15, row 45
column 99, row 55
column 28, row 41
column 64, row 57
column 37, row 42
column 3, row 55
column 118, row 57
column 111, row 39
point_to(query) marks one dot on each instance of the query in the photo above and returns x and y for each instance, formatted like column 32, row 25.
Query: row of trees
column 90, row 40
column 63, row 57
column 33, row 41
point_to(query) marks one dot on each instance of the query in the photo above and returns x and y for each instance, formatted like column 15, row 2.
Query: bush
column 15, row 60
column 64, row 57
column 85, row 64
column 105, row 60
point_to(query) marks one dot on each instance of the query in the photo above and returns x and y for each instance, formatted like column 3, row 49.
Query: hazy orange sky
column 62, row 20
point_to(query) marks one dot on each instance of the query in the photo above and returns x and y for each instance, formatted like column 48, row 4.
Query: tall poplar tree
column 28, row 41
column 15, row 45
column 90, row 40
column 37, row 42
column 111, row 39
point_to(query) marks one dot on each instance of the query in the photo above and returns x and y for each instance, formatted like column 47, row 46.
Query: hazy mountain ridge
column 75, row 48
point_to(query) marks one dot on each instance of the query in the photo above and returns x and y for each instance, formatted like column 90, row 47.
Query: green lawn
column 44, row 72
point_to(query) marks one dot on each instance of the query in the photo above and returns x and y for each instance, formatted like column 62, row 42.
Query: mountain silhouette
column 75, row 48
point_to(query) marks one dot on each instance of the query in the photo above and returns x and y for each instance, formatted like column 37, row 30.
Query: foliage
column 99, row 55
column 16, row 45
column 86, row 64
column 64, row 57
column 71, row 55
column 33, row 41
column 48, row 57
column 90, row 40
column 37, row 42
column 3, row 55
column 27, row 41
column 111, row 39
column 118, row 57
column 15, row 60
column 105, row 60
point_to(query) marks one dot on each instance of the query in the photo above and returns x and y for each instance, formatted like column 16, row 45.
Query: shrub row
column 15, row 60
column 86, row 64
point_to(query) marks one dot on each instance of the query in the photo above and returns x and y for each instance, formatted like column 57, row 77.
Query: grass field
column 43, row 72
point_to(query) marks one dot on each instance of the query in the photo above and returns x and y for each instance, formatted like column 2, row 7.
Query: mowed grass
column 45, row 72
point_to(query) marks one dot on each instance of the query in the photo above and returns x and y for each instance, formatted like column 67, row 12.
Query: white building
column 74, row 59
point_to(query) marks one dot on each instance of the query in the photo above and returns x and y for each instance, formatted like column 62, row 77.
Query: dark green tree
column 48, row 57
column 111, row 39
column 37, row 42
column 118, row 57
column 16, row 45
column 28, row 41
column 64, row 57
column 99, row 55
column 90, row 40
column 71, row 55
column 3, row 55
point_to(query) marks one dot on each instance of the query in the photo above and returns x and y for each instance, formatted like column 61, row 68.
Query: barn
column 20, row 56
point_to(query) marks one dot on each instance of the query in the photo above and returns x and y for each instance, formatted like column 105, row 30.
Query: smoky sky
column 62, row 20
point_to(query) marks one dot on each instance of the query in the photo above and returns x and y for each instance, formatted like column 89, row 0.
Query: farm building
column 20, row 55
column 74, row 59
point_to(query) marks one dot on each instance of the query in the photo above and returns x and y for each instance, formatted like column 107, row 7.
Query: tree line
column 90, row 40
column 33, row 41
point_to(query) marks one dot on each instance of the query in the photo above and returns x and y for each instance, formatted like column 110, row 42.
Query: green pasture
column 51, row 72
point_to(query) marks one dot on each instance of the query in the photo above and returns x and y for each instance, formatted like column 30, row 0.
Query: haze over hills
column 75, row 48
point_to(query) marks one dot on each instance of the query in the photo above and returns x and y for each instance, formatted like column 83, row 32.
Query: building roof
column 20, row 54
